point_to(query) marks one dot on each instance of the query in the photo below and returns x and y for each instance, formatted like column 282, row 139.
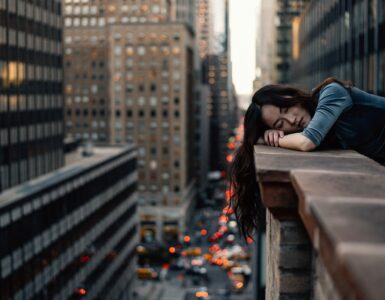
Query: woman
column 334, row 114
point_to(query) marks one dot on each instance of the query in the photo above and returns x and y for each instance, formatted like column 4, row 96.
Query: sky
column 243, row 27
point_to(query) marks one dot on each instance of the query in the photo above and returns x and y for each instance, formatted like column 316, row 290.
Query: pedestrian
column 334, row 114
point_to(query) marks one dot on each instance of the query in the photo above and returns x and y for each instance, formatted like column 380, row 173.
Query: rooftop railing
column 325, row 235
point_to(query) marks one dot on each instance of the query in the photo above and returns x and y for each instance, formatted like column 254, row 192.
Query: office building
column 31, row 102
column 204, row 27
column 344, row 39
column 266, row 44
column 130, row 79
column 184, row 11
column 73, row 232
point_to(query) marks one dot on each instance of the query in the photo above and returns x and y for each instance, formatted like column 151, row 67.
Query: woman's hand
column 272, row 137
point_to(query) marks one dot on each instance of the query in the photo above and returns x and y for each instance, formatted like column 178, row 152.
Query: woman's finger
column 271, row 138
column 265, row 138
column 268, row 138
column 276, row 138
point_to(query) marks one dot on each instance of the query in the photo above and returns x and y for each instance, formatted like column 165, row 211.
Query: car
column 197, row 261
column 146, row 273
column 194, row 251
column 237, row 282
column 197, row 270
column 229, row 264
column 230, row 239
column 202, row 293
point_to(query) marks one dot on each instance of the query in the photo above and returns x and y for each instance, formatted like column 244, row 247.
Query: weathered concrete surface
column 339, row 197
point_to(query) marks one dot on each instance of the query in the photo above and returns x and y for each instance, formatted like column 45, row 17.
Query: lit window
column 76, row 22
column 118, row 50
column 155, row 8
column 84, row 21
column 102, row 22
column 176, row 50
column 153, row 101
column 165, row 88
column 141, row 50
column 176, row 75
column 153, row 165
column 141, row 101
column 129, row 51
column 144, row 8
column 165, row 50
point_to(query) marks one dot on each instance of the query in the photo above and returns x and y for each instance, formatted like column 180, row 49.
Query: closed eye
column 279, row 125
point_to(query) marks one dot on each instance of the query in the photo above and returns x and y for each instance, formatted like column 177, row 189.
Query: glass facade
column 343, row 38
column 75, row 230
column 31, row 104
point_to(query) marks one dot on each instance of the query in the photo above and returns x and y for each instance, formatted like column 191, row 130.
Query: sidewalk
column 173, row 292
column 148, row 290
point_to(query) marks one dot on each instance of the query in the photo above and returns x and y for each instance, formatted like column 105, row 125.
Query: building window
column 141, row 50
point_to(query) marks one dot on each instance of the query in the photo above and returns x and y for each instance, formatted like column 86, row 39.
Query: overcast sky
column 243, row 28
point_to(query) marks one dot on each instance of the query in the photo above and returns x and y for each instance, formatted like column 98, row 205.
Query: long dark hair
column 244, row 190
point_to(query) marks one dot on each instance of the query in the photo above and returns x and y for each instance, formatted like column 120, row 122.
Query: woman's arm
column 334, row 99
column 296, row 141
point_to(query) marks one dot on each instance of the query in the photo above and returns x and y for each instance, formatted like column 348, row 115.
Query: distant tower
column 266, row 44
column 130, row 79
column 223, row 106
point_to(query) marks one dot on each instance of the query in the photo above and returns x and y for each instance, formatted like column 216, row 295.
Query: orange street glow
column 228, row 210
column 201, row 294
column 203, row 231
column 82, row 291
column 186, row 238
column 171, row 250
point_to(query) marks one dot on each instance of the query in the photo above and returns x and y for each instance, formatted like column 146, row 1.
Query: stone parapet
column 325, row 224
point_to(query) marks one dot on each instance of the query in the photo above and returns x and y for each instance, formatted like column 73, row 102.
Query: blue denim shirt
column 356, row 118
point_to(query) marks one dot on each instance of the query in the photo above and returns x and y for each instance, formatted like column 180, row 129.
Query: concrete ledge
column 339, row 198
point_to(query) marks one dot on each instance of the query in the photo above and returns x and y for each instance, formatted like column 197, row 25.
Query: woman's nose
column 291, row 119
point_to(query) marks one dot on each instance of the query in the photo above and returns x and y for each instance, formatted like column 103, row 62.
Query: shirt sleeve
column 334, row 99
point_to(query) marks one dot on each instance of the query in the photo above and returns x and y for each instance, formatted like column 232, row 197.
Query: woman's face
column 288, row 119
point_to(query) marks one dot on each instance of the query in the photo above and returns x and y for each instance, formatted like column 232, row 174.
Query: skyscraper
column 223, row 103
column 204, row 27
column 344, row 39
column 130, row 78
column 266, row 44
column 31, row 104
column 184, row 11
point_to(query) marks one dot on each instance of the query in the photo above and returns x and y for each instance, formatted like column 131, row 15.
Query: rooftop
column 75, row 163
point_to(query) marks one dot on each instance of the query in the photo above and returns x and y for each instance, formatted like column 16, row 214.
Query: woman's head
column 273, row 106
column 285, row 108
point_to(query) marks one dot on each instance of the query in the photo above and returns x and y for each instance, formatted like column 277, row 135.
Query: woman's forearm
column 296, row 141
